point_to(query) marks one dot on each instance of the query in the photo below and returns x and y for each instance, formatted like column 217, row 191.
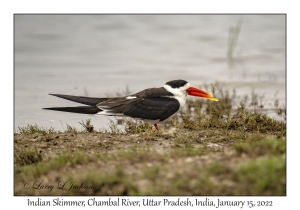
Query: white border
column 8, row 8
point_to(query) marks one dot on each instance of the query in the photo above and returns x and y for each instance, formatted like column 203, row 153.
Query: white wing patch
column 108, row 113
column 107, row 110
column 130, row 97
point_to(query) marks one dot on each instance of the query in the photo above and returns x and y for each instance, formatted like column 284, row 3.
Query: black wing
column 153, row 93
column 78, row 109
column 81, row 99
column 144, row 108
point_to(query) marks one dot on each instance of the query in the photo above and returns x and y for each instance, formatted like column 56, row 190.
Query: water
column 99, row 55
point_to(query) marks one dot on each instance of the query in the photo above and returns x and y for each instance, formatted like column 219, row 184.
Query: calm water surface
column 100, row 55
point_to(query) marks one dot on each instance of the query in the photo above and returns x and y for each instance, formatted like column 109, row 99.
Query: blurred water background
column 100, row 55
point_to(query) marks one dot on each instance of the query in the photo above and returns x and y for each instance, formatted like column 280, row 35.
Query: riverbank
column 194, row 154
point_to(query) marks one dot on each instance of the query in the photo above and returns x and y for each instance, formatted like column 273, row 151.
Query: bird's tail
column 78, row 109
column 81, row 99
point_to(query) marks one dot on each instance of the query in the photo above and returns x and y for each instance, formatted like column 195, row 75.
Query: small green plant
column 114, row 128
column 71, row 129
column 87, row 125
column 214, row 89
column 136, row 127
column 31, row 129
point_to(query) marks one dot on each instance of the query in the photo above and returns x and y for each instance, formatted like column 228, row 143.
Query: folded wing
column 81, row 99
column 143, row 108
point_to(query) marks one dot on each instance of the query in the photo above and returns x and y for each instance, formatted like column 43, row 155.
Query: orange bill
column 200, row 93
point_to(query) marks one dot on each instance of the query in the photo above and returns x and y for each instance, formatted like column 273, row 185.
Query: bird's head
column 182, row 87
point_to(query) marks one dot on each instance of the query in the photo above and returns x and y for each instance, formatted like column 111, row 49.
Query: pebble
column 188, row 159
column 170, row 132
column 212, row 145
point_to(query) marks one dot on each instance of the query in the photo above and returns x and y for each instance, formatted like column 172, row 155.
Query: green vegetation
column 32, row 129
column 266, row 176
column 71, row 129
column 211, row 148
column 87, row 125
column 27, row 157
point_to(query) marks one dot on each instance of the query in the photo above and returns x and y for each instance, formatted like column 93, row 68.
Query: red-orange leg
column 155, row 125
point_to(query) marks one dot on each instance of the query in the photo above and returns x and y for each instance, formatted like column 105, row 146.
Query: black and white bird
column 153, row 105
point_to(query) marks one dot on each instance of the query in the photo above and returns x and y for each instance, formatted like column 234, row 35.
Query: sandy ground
column 174, row 161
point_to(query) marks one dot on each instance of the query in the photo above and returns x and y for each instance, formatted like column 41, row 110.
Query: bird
column 152, row 105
